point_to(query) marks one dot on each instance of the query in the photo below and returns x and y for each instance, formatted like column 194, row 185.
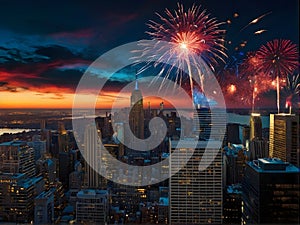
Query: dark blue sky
column 46, row 44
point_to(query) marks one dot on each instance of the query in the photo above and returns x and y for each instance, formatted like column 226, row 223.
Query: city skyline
column 42, row 59
column 149, row 112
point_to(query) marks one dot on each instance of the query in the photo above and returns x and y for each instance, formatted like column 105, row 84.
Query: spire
column 136, row 82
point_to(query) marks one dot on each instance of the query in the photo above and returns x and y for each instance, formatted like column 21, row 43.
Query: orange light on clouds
column 32, row 99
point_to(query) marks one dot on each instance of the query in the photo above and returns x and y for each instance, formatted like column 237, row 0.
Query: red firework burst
column 236, row 90
column 191, row 31
column 249, row 67
column 278, row 58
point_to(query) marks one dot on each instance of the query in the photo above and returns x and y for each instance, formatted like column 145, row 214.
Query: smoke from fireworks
column 278, row 58
column 195, row 38
column 235, row 89
column 258, row 81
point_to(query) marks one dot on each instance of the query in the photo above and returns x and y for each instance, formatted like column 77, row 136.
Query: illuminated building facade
column 136, row 116
column 44, row 207
column 284, row 137
column 270, row 192
column 255, row 126
column 92, row 206
column 17, row 157
column 17, row 193
column 196, row 196
column 92, row 153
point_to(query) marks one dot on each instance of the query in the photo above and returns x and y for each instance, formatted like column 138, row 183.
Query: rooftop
column 13, row 143
column 91, row 193
column 273, row 165
column 13, row 175
column 234, row 189
column 164, row 201
column 194, row 143
column 26, row 183
column 46, row 194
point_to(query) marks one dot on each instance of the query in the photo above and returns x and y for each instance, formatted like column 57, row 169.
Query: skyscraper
column 92, row 153
column 246, row 135
column 62, row 137
column 136, row 116
column 284, row 137
column 17, row 157
column 17, row 193
column 233, row 133
column 44, row 207
column 92, row 206
column 270, row 192
column 202, row 127
column 255, row 126
column 196, row 196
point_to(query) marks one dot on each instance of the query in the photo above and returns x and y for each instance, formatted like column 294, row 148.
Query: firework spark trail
column 292, row 90
column 196, row 44
column 235, row 88
column 278, row 58
column 293, row 84
column 250, row 70
column 233, row 60
column 256, row 20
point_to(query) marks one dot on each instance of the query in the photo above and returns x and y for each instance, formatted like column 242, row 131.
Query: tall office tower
column 246, row 135
column 17, row 157
column 75, row 180
column 136, row 115
column 47, row 169
column 202, row 127
column 46, row 136
column 62, row 137
column 234, row 164
column 92, row 154
column 196, row 196
column 92, row 206
column 259, row 148
column 232, row 204
column 44, row 207
column 39, row 148
column 206, row 118
column 284, row 137
column 233, row 133
column 270, row 192
column 43, row 125
column 255, row 126
column 17, row 193
column 163, row 205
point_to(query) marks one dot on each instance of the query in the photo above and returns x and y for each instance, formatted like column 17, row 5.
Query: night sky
column 45, row 46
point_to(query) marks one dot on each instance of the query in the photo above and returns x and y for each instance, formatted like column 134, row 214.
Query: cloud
column 50, row 68
column 55, row 52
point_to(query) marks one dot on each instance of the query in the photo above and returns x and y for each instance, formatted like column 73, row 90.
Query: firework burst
column 235, row 89
column 291, row 91
column 278, row 58
column 293, row 84
column 258, row 81
column 196, row 43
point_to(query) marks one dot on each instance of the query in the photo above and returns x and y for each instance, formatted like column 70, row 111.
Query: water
column 232, row 118
column 245, row 119
column 12, row 130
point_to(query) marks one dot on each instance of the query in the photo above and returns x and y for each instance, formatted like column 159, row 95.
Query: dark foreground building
column 270, row 192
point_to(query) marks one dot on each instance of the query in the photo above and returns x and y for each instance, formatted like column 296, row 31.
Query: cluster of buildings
column 225, row 180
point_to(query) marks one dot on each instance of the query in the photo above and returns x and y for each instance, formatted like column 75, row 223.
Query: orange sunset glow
column 37, row 100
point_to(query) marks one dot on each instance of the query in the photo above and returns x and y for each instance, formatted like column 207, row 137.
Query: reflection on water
column 12, row 130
